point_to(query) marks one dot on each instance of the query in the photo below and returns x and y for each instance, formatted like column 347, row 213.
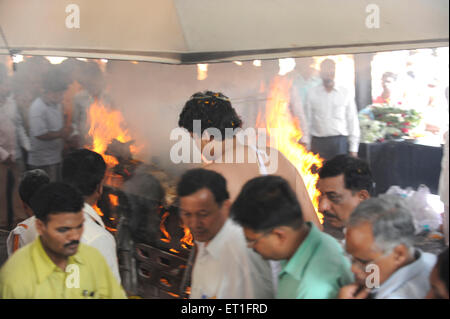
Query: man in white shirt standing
column 224, row 266
column 85, row 170
column 12, row 138
column 332, row 116
column 46, row 121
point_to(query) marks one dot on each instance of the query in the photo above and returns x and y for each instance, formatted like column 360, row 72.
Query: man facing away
column 224, row 267
column 380, row 238
column 215, row 113
column 26, row 232
column 56, row 265
column 344, row 182
column 85, row 170
column 332, row 116
column 313, row 263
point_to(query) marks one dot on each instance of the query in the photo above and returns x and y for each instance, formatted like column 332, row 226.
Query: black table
column 403, row 163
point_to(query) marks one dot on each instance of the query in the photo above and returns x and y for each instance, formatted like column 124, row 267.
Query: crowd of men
column 256, row 233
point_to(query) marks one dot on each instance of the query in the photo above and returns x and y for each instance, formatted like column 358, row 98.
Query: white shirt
column 44, row 119
column 96, row 235
column 409, row 282
column 227, row 269
column 24, row 233
column 331, row 114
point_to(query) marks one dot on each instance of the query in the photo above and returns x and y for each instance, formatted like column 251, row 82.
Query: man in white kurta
column 224, row 266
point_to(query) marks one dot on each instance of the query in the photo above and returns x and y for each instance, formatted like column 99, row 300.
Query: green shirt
column 317, row 270
column 30, row 273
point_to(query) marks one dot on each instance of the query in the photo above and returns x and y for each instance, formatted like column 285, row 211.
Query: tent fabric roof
column 204, row 31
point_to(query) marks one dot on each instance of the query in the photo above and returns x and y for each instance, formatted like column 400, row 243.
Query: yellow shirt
column 30, row 273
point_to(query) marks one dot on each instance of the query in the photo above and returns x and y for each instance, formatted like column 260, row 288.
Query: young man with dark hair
column 85, row 170
column 26, row 232
column 216, row 114
column 56, row 265
column 344, row 182
column 313, row 263
column 224, row 267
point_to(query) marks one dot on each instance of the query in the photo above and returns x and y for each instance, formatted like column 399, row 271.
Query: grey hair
column 392, row 222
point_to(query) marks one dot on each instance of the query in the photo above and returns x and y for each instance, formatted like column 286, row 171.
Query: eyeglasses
column 360, row 262
column 251, row 243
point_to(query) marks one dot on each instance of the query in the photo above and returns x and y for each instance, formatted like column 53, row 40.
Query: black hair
column 357, row 174
column 84, row 169
column 56, row 198
column 213, row 109
column 267, row 202
column 443, row 267
column 55, row 79
column 31, row 181
column 196, row 179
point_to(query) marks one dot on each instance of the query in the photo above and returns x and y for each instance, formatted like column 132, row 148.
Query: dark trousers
column 330, row 146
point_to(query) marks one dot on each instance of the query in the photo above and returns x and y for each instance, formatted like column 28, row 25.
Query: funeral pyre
column 137, row 207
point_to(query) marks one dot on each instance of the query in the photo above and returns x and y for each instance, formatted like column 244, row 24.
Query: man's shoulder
column 429, row 260
column 328, row 247
column 94, row 232
column 18, row 265
column 89, row 253
column 233, row 241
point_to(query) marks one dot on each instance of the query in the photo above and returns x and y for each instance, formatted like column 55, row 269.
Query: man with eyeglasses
column 380, row 238
column 224, row 267
column 313, row 263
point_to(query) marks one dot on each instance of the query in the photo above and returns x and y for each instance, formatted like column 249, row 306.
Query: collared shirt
column 31, row 274
column 22, row 235
column 227, row 268
column 42, row 120
column 96, row 235
column 317, row 270
column 409, row 282
column 331, row 114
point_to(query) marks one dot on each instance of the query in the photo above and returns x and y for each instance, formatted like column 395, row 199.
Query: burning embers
column 153, row 245
column 111, row 140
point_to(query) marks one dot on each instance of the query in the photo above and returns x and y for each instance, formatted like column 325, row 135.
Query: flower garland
column 380, row 122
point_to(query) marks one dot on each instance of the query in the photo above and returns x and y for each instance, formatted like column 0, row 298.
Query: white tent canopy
column 195, row 31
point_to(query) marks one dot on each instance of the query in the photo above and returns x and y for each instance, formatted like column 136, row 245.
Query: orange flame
column 106, row 125
column 187, row 238
column 98, row 210
column 286, row 135
column 162, row 227
column 114, row 199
